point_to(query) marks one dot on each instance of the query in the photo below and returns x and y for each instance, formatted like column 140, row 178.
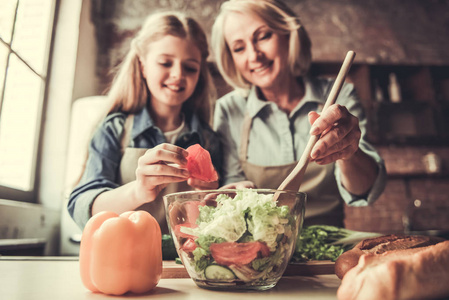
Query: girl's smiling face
column 259, row 53
column 171, row 68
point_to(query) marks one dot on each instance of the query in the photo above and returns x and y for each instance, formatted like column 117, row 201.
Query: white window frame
column 14, row 193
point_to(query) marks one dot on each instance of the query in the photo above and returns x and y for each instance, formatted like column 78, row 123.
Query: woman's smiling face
column 259, row 53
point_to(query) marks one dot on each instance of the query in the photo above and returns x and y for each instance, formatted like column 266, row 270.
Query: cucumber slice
column 217, row 272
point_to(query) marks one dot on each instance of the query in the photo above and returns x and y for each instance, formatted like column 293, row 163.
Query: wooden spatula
column 293, row 181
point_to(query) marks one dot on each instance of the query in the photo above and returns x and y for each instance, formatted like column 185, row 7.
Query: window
column 25, row 37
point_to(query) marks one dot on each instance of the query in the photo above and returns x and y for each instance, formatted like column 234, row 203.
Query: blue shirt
column 105, row 152
column 277, row 138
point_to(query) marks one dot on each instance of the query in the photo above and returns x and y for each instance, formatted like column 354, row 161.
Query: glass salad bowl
column 235, row 239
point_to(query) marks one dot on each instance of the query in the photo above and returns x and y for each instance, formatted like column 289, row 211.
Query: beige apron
column 127, row 173
column 324, row 205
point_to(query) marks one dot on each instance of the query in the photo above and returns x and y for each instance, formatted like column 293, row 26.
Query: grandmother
column 263, row 51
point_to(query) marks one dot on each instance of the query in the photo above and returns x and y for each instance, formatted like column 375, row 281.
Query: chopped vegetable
column 168, row 248
column 178, row 261
column 247, row 236
column 248, row 213
column 217, row 272
column 324, row 242
column 232, row 253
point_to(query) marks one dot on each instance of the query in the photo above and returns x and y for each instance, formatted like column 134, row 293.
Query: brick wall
column 384, row 215
column 379, row 30
column 410, row 191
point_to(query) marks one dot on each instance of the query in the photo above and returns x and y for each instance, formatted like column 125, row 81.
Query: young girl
column 160, row 105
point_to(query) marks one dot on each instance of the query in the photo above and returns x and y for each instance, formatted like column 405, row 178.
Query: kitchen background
column 401, row 72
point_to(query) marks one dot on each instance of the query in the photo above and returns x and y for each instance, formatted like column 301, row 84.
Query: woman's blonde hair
column 129, row 92
column 280, row 18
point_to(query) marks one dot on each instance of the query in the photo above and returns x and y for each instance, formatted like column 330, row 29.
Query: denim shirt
column 278, row 138
column 105, row 152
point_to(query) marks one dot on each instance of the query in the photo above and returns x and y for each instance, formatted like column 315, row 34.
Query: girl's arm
column 158, row 167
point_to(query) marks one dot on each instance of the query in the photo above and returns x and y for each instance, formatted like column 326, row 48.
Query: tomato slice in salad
column 232, row 253
column 192, row 211
column 188, row 246
column 264, row 250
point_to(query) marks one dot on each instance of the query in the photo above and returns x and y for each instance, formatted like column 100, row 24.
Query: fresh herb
column 324, row 242
column 178, row 261
column 168, row 248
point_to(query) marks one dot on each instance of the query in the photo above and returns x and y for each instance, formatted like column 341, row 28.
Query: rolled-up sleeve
column 350, row 101
column 377, row 188
column 100, row 173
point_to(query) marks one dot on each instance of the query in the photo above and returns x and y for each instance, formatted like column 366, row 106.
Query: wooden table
column 50, row 278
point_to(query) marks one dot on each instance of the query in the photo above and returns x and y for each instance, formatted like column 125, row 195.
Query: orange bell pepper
column 121, row 253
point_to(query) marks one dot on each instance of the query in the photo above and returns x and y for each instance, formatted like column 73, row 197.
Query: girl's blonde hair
column 129, row 92
column 280, row 18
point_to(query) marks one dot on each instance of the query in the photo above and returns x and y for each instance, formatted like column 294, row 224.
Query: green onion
column 324, row 242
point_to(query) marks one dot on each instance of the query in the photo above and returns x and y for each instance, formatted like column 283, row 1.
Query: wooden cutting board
column 311, row 268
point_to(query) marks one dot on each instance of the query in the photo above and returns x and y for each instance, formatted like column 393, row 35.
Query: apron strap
column 126, row 134
column 244, row 140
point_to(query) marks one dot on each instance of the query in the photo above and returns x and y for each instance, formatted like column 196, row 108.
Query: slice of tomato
column 188, row 246
column 192, row 210
column 200, row 164
column 232, row 253
column 264, row 250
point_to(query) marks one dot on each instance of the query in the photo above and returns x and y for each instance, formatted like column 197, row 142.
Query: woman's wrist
column 351, row 161
column 358, row 173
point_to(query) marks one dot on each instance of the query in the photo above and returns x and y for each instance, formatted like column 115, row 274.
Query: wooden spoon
column 293, row 181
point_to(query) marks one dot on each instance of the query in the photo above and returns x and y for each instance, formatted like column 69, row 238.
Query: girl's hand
column 158, row 167
column 202, row 185
column 340, row 134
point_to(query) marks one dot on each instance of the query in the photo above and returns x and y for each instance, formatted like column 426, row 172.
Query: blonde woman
column 264, row 52
column 160, row 104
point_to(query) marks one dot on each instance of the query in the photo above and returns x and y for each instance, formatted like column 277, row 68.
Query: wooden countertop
column 59, row 278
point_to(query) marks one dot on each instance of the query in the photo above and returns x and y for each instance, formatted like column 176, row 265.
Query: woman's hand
column 340, row 134
column 158, row 167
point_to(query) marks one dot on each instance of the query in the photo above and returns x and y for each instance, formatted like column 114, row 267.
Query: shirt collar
column 195, row 126
column 313, row 93
column 194, row 122
column 143, row 122
column 255, row 104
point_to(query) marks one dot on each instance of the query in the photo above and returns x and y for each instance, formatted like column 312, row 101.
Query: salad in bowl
column 240, row 239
